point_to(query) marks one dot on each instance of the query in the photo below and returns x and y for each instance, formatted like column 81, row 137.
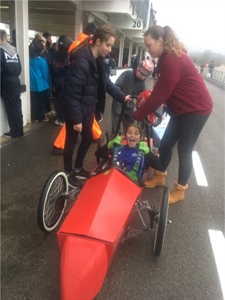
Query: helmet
column 151, row 118
column 64, row 42
column 148, row 65
column 144, row 69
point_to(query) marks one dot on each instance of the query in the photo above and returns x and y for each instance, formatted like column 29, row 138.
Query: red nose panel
column 84, row 264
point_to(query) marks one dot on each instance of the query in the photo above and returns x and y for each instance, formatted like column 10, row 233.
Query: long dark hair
column 103, row 33
column 171, row 43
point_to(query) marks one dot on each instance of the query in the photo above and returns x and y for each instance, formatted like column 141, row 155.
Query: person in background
column 109, row 65
column 55, row 46
column 48, row 37
column 134, row 61
column 130, row 82
column 182, row 89
column 60, row 62
column 39, row 80
column 154, row 73
column 47, row 55
column 10, row 86
column 84, row 86
column 211, row 68
column 202, row 68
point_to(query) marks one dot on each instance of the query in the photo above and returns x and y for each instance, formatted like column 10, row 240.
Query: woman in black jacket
column 84, row 92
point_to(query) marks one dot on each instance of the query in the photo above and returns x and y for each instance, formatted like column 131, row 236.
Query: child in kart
column 129, row 156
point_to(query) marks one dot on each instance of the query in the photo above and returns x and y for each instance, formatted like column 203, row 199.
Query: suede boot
column 158, row 179
column 177, row 193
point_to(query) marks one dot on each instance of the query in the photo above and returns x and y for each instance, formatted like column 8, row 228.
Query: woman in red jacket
column 188, row 102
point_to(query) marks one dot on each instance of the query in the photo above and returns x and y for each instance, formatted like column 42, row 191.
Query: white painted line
column 198, row 169
column 218, row 245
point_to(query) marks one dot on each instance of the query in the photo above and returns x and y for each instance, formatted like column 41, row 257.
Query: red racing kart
column 96, row 220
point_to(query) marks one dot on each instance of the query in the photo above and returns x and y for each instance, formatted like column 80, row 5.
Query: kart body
column 92, row 231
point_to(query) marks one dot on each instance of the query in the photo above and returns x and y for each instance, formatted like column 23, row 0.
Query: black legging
column 71, row 140
column 185, row 130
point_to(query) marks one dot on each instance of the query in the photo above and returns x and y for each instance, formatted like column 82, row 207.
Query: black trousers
column 38, row 105
column 183, row 130
column 71, row 140
column 10, row 92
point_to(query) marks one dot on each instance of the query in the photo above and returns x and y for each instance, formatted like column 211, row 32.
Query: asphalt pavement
column 188, row 268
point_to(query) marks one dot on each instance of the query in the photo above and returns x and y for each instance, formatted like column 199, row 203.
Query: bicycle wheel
column 104, row 139
column 160, row 224
column 52, row 201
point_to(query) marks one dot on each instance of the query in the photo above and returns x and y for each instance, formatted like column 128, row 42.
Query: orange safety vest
column 96, row 130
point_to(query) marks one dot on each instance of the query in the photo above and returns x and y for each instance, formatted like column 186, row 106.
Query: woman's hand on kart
column 77, row 127
column 128, row 98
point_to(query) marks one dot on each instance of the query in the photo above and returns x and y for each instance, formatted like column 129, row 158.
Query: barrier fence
column 217, row 77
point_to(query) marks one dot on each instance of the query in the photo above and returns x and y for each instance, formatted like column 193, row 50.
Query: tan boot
column 177, row 193
column 157, row 179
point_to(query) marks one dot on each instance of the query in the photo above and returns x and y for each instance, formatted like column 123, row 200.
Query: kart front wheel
column 161, row 222
column 52, row 201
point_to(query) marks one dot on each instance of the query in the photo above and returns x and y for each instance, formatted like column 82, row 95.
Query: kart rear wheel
column 160, row 224
column 52, row 201
column 104, row 139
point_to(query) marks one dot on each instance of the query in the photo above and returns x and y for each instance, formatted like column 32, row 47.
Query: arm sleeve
column 45, row 72
column 114, row 91
column 166, row 83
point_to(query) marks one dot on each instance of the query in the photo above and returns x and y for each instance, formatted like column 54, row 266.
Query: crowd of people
column 79, row 74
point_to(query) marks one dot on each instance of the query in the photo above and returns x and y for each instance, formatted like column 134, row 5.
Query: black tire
column 104, row 139
column 160, row 224
column 51, row 204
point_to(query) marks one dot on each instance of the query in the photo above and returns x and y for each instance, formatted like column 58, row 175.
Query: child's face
column 133, row 136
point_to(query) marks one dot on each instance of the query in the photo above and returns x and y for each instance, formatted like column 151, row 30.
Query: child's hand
column 118, row 140
column 115, row 142
column 143, row 147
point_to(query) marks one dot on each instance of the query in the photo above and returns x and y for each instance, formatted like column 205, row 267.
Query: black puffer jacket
column 85, row 86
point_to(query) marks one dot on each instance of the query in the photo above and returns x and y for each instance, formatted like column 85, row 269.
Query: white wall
column 4, row 126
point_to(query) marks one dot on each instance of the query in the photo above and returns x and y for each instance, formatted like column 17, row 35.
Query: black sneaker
column 74, row 182
column 8, row 135
column 12, row 136
column 82, row 174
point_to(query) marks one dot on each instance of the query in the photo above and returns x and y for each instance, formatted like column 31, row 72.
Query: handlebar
column 134, row 97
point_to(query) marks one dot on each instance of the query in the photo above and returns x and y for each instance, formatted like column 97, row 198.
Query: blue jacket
column 126, row 159
column 39, row 75
column 86, row 85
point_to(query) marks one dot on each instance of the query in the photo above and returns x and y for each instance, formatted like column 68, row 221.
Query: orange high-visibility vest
column 96, row 130
column 60, row 140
